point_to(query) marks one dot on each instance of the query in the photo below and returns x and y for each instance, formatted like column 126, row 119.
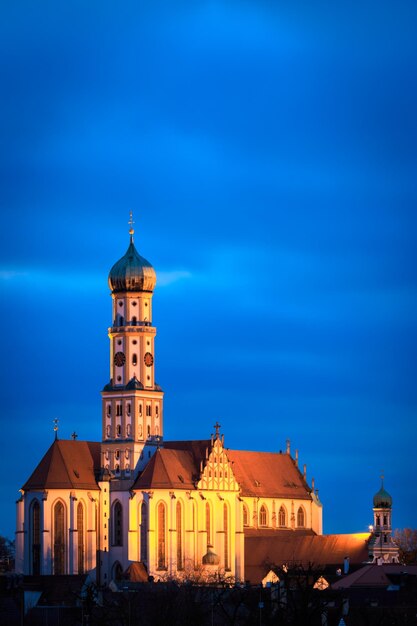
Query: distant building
column 182, row 509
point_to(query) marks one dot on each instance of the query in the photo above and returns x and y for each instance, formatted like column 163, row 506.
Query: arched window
column 134, row 359
column 144, row 533
column 161, row 536
column 263, row 516
column 180, row 558
column 36, row 538
column 282, row 518
column 117, row 571
column 226, row 536
column 140, row 431
column 301, row 522
column 80, row 532
column 59, row 539
column 117, row 524
column 118, row 430
column 245, row 515
column 134, row 321
column 208, row 524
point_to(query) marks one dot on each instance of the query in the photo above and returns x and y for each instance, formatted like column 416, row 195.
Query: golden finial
column 131, row 230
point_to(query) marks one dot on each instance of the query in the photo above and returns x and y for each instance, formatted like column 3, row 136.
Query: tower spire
column 131, row 230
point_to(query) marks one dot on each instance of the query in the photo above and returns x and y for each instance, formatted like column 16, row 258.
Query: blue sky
column 268, row 151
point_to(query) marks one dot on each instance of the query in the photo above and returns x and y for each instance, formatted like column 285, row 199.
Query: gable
column 217, row 472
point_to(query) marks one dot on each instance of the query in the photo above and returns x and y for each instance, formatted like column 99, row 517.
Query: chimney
column 288, row 446
column 305, row 471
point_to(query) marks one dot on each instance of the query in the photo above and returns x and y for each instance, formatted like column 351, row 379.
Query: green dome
column 132, row 272
column 382, row 499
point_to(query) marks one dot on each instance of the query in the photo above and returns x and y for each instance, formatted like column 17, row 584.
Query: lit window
column 245, row 515
column 282, row 522
column 300, row 517
column 263, row 519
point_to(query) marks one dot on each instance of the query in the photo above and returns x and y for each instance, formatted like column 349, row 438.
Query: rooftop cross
column 217, row 428
column 56, row 421
column 131, row 222
column 74, row 435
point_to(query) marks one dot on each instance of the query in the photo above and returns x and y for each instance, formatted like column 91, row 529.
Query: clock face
column 119, row 359
column 148, row 358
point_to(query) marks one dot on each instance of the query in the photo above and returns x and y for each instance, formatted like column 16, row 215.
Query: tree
column 406, row 540
column 6, row 554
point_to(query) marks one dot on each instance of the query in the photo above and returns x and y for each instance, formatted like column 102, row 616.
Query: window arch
column 245, row 515
column 161, row 535
column 59, row 538
column 208, row 524
column 301, row 517
column 117, row 518
column 282, row 517
column 36, row 538
column 144, row 533
column 263, row 516
column 180, row 556
column 226, row 536
column 80, row 532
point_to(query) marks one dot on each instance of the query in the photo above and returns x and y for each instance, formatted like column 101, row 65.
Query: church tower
column 132, row 402
column 382, row 546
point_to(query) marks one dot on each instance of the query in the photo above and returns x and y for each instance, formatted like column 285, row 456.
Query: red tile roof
column 265, row 548
column 68, row 464
column 268, row 474
column 259, row 474
column 168, row 469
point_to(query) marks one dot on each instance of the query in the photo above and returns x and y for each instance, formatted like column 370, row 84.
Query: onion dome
column 132, row 272
column 210, row 558
column 382, row 499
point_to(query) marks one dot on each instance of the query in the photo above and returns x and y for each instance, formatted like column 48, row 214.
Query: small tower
column 132, row 414
column 382, row 547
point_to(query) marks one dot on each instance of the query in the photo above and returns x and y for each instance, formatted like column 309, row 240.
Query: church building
column 182, row 509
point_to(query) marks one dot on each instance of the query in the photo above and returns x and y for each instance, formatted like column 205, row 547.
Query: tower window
column 117, row 524
column 140, row 409
column 134, row 359
column 148, row 410
column 156, row 410
column 117, row 454
column 118, row 430
column 119, row 410
column 134, row 303
column 109, row 409
column 128, row 408
column 108, row 431
column 134, row 321
column 149, row 430
column 134, row 342
column 128, row 430
column 120, row 303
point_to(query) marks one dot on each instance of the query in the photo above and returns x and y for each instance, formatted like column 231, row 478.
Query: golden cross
column 217, row 427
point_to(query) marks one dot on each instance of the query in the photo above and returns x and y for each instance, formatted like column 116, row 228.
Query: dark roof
column 68, row 464
column 268, row 474
column 264, row 549
column 132, row 272
column 373, row 575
